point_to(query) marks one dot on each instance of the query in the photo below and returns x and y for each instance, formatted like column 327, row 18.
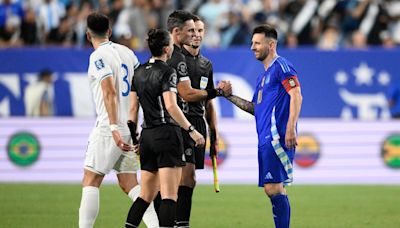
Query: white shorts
column 102, row 155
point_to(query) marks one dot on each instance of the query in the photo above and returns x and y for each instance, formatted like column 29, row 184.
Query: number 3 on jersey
column 125, row 78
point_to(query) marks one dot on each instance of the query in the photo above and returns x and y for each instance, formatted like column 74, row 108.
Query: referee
column 200, row 72
column 161, row 145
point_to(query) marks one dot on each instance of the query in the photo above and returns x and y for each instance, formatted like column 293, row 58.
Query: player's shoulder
column 283, row 64
column 205, row 60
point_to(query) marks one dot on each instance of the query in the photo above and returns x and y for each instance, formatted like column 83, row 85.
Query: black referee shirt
column 200, row 73
column 150, row 81
column 178, row 62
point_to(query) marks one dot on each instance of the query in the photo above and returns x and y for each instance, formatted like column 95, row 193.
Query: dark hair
column 178, row 19
column 268, row 31
column 44, row 73
column 98, row 23
column 197, row 18
column 157, row 40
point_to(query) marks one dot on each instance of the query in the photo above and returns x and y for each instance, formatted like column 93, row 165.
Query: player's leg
column 185, row 193
column 194, row 160
column 90, row 201
column 149, row 189
column 169, row 182
column 128, row 183
column 101, row 155
column 272, row 176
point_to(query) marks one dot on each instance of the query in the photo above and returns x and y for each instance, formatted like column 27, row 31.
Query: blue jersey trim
column 284, row 158
column 284, row 65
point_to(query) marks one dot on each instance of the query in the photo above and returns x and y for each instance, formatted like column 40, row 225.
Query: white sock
column 150, row 217
column 89, row 207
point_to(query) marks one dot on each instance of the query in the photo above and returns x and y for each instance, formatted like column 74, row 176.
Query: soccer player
column 161, row 145
column 276, row 106
column 201, row 77
column 110, row 71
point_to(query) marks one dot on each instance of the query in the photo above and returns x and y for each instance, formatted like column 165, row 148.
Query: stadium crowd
column 326, row 24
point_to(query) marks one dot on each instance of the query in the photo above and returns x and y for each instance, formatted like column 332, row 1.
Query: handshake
column 224, row 88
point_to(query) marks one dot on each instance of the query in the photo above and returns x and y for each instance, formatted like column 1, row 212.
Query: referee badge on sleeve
column 203, row 82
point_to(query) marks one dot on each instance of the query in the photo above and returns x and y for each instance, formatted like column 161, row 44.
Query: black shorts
column 194, row 154
column 161, row 147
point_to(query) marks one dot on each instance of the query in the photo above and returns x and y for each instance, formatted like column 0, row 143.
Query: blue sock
column 281, row 210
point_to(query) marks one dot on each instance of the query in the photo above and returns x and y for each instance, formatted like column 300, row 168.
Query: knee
column 125, row 187
column 272, row 190
column 188, row 180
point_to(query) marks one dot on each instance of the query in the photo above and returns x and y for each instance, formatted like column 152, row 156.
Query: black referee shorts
column 194, row 154
column 161, row 147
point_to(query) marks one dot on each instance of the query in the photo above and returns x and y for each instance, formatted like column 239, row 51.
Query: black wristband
column 211, row 93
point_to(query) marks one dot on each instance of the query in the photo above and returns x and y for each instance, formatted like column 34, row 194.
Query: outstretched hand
column 226, row 88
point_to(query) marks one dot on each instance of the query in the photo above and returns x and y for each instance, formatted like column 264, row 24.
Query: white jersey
column 117, row 61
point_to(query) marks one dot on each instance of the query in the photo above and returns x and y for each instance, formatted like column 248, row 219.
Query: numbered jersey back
column 116, row 61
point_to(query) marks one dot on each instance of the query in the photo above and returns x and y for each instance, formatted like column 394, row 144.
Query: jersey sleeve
column 179, row 64
column 102, row 68
column 135, row 61
column 136, row 72
column 287, row 75
column 169, row 81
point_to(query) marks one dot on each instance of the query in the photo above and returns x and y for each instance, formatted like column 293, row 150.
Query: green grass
column 46, row 205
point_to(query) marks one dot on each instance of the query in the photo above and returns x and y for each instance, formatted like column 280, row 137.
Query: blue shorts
column 275, row 163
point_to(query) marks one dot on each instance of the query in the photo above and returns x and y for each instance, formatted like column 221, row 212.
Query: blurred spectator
column 39, row 96
column 235, row 32
column 63, row 35
column 298, row 22
column 330, row 39
column 11, row 16
column 49, row 14
column 358, row 40
column 211, row 12
column 393, row 97
column 28, row 28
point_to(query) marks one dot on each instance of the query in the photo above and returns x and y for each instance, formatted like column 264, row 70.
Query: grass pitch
column 56, row 205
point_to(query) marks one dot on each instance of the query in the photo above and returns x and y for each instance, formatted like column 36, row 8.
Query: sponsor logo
column 222, row 154
column 203, row 82
column 268, row 176
column 23, row 149
column 308, row 151
column 391, row 151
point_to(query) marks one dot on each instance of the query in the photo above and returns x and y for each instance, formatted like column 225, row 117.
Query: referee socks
column 281, row 210
column 136, row 213
column 184, row 206
column 167, row 213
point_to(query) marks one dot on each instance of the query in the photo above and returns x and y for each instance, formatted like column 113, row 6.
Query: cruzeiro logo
column 23, row 149
column 362, row 94
column 391, row 151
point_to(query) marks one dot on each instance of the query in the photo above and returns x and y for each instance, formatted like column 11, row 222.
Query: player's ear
column 109, row 32
column 88, row 36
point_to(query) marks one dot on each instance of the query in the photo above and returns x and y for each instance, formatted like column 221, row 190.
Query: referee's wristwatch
column 190, row 129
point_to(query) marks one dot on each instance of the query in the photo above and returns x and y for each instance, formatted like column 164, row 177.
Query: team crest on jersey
column 182, row 68
column 99, row 64
column 203, row 82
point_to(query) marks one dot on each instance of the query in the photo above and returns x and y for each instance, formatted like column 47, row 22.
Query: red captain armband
column 290, row 83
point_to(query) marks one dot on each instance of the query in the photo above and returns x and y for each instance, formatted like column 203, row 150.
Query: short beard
column 195, row 46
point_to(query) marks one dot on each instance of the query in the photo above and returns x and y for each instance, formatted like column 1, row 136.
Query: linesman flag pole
column 215, row 171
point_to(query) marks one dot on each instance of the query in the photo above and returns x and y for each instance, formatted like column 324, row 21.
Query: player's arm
column 169, row 96
column 294, row 111
column 133, row 116
column 110, row 97
column 211, row 117
column 190, row 94
column 241, row 103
